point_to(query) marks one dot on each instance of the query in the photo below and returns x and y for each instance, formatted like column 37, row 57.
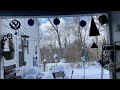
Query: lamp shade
column 93, row 29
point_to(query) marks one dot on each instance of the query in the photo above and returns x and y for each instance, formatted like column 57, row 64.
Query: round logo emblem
column 15, row 24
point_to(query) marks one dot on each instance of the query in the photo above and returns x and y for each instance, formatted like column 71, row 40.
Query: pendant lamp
column 93, row 29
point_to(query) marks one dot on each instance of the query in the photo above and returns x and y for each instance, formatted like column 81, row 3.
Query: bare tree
column 71, row 38
column 58, row 36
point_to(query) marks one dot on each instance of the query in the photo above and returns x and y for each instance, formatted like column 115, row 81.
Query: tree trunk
column 59, row 42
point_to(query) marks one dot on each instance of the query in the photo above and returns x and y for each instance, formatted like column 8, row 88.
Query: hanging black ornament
column 94, row 45
column 15, row 33
column 15, row 24
column 31, row 22
column 56, row 21
column 103, row 19
column 82, row 23
column 93, row 29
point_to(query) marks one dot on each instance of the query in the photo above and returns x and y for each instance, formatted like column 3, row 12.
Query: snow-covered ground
column 92, row 71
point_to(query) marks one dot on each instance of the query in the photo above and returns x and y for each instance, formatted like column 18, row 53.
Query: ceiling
column 53, row 7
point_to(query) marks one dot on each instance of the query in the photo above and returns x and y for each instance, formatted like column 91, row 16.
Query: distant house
column 26, row 50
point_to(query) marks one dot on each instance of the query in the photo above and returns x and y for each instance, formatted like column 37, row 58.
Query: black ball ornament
column 30, row 22
column 82, row 23
column 56, row 21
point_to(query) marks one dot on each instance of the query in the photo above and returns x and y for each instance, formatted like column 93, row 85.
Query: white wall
column 25, row 29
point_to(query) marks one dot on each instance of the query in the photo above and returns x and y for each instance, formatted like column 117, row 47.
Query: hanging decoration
column 103, row 19
column 94, row 45
column 30, row 22
column 15, row 24
column 93, row 29
column 8, row 54
column 56, row 21
column 82, row 23
column 15, row 33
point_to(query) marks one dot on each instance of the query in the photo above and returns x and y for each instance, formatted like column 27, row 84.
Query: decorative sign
column 103, row 19
column 15, row 24
column 31, row 22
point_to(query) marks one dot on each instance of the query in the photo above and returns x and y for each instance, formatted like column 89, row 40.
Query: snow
column 92, row 71
column 31, row 72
